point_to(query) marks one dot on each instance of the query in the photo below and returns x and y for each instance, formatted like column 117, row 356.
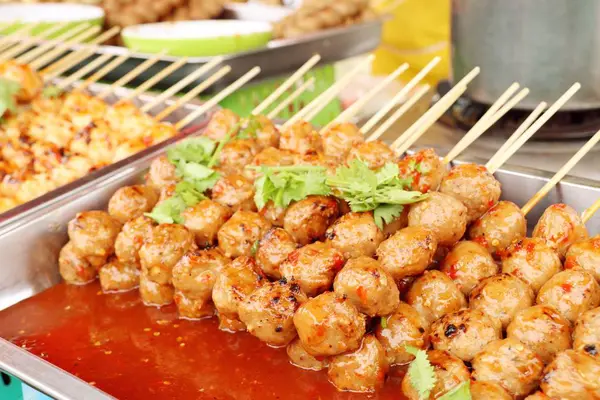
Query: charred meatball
column 155, row 294
column 532, row 261
column 464, row 333
column 117, row 276
column 301, row 138
column 234, row 191
column 204, row 220
column 130, row 202
column 75, row 269
column 375, row 154
column 269, row 311
column 560, row 226
column 234, row 284
column 361, row 371
column 444, row 215
column 433, row 295
column 329, row 325
column 238, row 235
column 301, row 359
column 355, row 235
column 467, row 264
column 161, row 173
column 339, row 140
column 585, row 255
column 488, row 391
column 131, row 238
column 262, row 129
column 236, row 155
column 313, row 266
column 510, row 364
column 307, row 220
column 273, row 214
column 93, row 233
column 503, row 224
column 223, row 123
column 572, row 375
column 273, row 249
column 586, row 336
column 408, row 252
column 368, row 286
column 501, row 297
column 571, row 293
column 424, row 168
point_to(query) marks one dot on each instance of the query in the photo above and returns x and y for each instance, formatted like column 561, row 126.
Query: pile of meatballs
column 454, row 275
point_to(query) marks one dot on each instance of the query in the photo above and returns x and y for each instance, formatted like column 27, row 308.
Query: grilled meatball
column 307, row 220
column 585, row 255
column 404, row 327
column 542, row 329
column 273, row 249
column 560, row 226
column 313, row 266
column 501, row 297
column 194, row 276
column 30, row 81
column 400, row 222
column 467, row 264
column 503, row 224
column 433, row 295
column 155, row 294
column 355, row 235
column 464, row 333
column 205, row 219
column 368, row 286
column 444, row 215
column 269, row 311
column 238, row 235
column 161, row 173
column 329, row 325
column 273, row 214
column 263, row 130
column 488, row 391
column 339, row 140
column 131, row 238
column 130, row 202
column 375, row 154
column 75, row 269
column 586, row 336
column 233, row 285
column 408, row 252
column 510, row 364
column 571, row 293
column 449, row 372
column 300, row 357
column 234, row 191
column 159, row 254
column 572, row 375
column 361, row 371
column 475, row 186
column 532, row 261
column 93, row 233
column 117, row 276
column 223, row 123
column 424, row 168
column 236, row 155
column 301, row 138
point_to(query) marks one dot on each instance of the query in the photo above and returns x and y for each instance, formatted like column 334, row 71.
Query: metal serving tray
column 30, row 248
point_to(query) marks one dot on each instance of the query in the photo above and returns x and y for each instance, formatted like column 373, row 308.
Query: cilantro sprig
column 460, row 392
column 52, row 92
column 381, row 191
column 8, row 91
column 421, row 373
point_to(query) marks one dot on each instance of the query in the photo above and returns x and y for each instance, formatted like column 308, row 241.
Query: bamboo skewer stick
column 218, row 97
column 295, row 77
column 105, row 70
column 80, row 73
column 182, row 84
column 589, row 213
column 155, row 79
column 63, row 47
column 193, row 93
column 293, row 96
column 516, row 140
column 564, row 170
column 29, row 42
column 374, row 120
column 21, row 34
column 131, row 75
column 38, row 51
column 360, row 103
column 474, row 133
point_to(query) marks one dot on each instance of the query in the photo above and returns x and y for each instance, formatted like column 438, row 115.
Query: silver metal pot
column 545, row 45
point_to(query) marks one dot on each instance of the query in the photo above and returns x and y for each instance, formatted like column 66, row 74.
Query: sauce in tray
column 135, row 352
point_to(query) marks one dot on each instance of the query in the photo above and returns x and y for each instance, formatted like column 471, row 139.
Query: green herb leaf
column 196, row 150
column 8, row 90
column 386, row 213
column 169, row 211
column 189, row 193
column 460, row 392
column 421, row 373
column 214, row 160
column 384, row 322
column 254, row 248
column 52, row 92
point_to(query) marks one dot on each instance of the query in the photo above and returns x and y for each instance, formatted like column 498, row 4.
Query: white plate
column 48, row 12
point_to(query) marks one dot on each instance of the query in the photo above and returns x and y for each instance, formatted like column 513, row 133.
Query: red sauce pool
column 135, row 352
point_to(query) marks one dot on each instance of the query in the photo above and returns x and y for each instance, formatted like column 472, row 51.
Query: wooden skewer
column 194, row 92
column 217, row 98
column 295, row 77
column 62, row 48
column 474, row 134
column 516, row 140
column 155, row 79
column 30, row 41
column 12, row 39
column 131, row 75
column 587, row 214
column 293, row 96
column 182, row 84
column 398, row 113
column 564, row 170
column 360, row 103
column 38, row 51
column 105, row 70
column 374, row 120
column 80, row 73
column 315, row 106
